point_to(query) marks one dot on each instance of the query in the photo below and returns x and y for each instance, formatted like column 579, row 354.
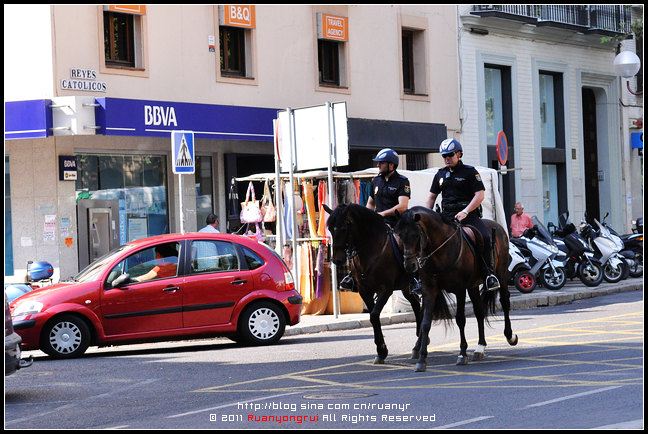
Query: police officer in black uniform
column 463, row 193
column 390, row 192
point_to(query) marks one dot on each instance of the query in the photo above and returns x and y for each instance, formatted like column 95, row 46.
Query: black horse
column 362, row 236
column 448, row 263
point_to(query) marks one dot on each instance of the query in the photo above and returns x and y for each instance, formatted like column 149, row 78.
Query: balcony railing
column 614, row 19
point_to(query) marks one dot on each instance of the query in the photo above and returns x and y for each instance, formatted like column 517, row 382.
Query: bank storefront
column 123, row 187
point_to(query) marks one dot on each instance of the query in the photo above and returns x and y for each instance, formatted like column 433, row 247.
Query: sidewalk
column 540, row 297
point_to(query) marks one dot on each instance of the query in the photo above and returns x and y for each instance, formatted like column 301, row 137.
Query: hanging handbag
column 267, row 208
column 250, row 210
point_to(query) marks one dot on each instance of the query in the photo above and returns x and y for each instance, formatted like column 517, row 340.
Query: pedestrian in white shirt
column 212, row 224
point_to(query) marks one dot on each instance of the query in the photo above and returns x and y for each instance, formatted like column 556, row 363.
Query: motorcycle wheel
column 590, row 274
column 614, row 274
column 637, row 269
column 551, row 281
column 524, row 281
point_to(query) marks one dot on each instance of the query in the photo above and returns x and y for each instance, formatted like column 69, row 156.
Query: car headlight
column 27, row 307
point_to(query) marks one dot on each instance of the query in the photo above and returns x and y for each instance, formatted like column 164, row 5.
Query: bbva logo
column 159, row 115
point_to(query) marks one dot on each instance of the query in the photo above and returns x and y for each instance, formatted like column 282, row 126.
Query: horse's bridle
column 351, row 251
column 422, row 238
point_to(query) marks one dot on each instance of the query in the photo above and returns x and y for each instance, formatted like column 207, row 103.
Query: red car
column 162, row 288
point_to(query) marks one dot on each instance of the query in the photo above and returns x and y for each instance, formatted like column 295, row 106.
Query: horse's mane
column 364, row 220
column 408, row 216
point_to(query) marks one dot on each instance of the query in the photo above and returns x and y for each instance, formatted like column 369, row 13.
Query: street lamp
column 626, row 65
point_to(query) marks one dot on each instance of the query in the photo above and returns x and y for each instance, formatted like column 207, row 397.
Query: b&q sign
column 238, row 16
column 332, row 27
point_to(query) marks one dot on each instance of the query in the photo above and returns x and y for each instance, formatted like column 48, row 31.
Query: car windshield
column 91, row 272
column 543, row 233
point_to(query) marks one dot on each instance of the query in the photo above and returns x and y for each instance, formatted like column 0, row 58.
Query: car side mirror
column 124, row 278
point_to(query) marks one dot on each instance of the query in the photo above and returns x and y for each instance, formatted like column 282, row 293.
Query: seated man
column 167, row 257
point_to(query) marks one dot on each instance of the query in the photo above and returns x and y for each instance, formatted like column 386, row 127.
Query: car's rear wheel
column 65, row 337
column 262, row 323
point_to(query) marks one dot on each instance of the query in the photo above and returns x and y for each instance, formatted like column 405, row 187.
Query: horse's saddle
column 474, row 237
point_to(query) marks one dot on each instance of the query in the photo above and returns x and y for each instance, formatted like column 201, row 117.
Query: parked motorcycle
column 632, row 249
column 581, row 261
column 607, row 251
column 637, row 226
column 520, row 271
column 546, row 260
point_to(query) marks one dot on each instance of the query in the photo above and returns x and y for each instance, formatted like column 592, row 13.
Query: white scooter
column 520, row 271
column 546, row 260
column 607, row 248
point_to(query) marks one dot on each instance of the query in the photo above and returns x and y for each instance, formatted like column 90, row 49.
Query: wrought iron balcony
column 604, row 19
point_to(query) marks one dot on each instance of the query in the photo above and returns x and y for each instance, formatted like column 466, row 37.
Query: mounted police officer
column 390, row 192
column 463, row 193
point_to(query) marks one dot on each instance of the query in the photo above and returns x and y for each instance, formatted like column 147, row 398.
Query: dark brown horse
column 362, row 237
column 448, row 264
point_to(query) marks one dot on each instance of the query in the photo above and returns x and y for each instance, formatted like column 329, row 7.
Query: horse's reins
column 423, row 259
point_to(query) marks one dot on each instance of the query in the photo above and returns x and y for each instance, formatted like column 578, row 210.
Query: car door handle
column 171, row 289
column 238, row 282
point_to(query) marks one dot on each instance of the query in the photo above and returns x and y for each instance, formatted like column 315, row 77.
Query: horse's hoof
column 461, row 360
column 420, row 367
column 478, row 356
column 513, row 341
column 415, row 355
column 379, row 361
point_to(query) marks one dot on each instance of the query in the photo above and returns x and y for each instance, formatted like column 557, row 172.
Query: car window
column 253, row 260
column 143, row 261
column 92, row 271
column 213, row 256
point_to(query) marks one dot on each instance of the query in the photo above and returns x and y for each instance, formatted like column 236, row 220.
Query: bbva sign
column 160, row 115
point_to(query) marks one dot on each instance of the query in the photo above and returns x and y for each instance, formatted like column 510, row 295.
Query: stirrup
column 415, row 287
column 492, row 283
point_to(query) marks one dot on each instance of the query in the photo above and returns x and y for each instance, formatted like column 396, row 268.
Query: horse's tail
column 489, row 300
column 441, row 310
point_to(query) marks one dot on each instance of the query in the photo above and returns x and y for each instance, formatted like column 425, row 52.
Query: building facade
column 92, row 94
column 544, row 75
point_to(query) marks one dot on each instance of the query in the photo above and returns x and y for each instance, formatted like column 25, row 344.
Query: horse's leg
column 461, row 323
column 374, row 317
column 505, row 301
column 480, row 313
column 416, row 307
column 426, row 323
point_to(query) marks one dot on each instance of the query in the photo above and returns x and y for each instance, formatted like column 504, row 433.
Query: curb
column 526, row 301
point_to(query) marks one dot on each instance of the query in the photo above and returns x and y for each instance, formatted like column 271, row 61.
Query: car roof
column 241, row 239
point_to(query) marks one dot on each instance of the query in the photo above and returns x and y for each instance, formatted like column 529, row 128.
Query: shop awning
column 372, row 134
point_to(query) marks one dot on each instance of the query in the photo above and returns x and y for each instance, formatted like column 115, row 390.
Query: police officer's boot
column 347, row 283
column 492, row 283
column 415, row 286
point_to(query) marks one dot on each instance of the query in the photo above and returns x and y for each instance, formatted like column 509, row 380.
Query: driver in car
column 167, row 258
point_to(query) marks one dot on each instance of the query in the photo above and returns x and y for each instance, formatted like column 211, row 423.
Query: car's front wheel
column 262, row 323
column 65, row 337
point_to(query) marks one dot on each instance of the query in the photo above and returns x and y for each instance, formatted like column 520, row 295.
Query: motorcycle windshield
column 542, row 231
column 563, row 219
column 602, row 229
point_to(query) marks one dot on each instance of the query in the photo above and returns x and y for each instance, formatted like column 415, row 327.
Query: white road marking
column 230, row 405
column 64, row 407
column 578, row 395
column 633, row 424
column 464, row 422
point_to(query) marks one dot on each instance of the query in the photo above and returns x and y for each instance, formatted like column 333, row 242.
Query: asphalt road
column 576, row 366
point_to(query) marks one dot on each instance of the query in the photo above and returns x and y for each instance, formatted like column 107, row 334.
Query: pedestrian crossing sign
column 183, row 153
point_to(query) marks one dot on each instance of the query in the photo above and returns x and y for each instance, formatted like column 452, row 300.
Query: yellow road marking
column 488, row 376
